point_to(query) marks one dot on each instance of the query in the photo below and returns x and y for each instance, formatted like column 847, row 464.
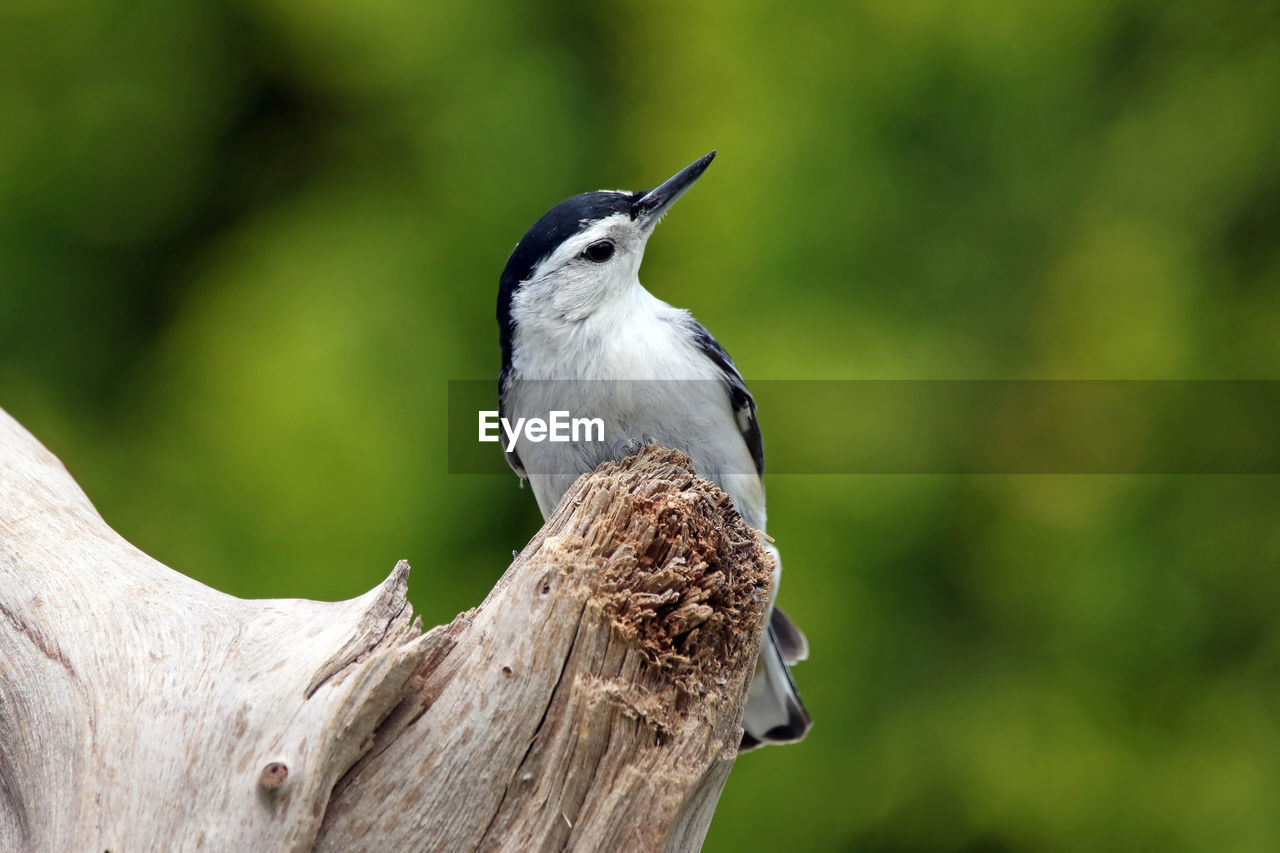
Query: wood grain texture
column 592, row 701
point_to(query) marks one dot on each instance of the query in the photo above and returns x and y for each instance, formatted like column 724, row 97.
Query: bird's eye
column 599, row 251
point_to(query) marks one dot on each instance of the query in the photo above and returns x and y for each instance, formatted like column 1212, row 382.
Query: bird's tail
column 774, row 712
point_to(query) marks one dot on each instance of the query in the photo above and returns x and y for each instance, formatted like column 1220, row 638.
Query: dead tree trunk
column 592, row 701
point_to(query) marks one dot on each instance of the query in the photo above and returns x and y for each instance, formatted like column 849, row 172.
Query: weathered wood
column 592, row 701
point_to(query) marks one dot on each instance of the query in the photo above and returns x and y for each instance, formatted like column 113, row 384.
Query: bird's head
column 584, row 253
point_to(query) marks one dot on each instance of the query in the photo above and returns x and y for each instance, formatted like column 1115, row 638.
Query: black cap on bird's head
column 577, row 214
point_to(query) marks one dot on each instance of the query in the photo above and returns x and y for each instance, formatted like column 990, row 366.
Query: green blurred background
column 243, row 247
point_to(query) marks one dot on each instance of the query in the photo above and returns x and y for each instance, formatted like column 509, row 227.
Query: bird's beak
column 651, row 205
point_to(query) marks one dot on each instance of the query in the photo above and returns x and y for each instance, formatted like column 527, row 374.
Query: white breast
column 632, row 365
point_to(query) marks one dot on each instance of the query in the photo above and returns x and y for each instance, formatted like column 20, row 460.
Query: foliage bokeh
column 244, row 246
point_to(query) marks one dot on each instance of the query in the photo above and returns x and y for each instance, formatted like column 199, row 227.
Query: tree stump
column 591, row 701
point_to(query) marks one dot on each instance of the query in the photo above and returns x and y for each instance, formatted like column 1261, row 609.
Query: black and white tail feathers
column 774, row 712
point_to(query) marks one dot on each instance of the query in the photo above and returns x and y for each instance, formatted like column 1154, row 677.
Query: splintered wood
column 598, row 689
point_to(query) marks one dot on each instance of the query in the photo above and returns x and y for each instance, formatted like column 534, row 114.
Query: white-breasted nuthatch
column 572, row 313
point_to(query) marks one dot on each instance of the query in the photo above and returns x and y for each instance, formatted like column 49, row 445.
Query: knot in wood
column 273, row 776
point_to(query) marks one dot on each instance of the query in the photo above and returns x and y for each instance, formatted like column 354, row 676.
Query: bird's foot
column 631, row 446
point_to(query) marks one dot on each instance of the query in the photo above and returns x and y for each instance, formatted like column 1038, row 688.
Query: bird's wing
column 513, row 459
column 744, row 405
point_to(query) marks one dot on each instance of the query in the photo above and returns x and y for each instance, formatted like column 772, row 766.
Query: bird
column 571, row 308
